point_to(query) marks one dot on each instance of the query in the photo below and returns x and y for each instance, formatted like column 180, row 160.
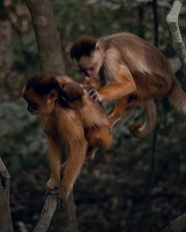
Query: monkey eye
column 33, row 105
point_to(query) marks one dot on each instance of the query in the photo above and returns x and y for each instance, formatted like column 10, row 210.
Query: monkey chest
column 106, row 75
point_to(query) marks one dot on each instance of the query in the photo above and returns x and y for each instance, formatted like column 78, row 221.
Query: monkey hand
column 93, row 94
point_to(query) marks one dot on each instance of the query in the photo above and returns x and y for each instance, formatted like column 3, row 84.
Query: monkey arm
column 93, row 82
column 116, row 90
column 122, row 84
column 77, row 148
column 54, row 149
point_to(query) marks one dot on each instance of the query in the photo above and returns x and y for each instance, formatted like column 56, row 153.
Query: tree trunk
column 47, row 36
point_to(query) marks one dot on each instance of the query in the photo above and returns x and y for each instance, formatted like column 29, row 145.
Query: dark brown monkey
column 66, row 119
column 127, row 66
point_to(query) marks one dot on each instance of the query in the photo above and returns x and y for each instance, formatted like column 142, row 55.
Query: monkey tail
column 138, row 130
column 177, row 97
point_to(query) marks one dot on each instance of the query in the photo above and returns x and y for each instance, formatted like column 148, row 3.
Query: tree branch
column 175, row 64
column 46, row 214
column 177, row 42
column 47, row 36
column 5, row 216
column 179, row 224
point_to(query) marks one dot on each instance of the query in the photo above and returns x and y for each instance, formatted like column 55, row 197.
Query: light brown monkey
column 136, row 129
column 71, row 119
column 128, row 66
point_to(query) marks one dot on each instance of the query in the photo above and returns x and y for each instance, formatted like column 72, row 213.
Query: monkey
column 128, row 67
column 136, row 129
column 63, row 108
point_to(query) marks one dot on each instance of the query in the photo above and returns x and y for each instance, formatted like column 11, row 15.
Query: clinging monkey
column 128, row 66
column 63, row 108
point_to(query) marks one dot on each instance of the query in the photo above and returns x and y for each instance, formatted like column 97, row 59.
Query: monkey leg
column 72, row 167
column 138, row 130
column 54, row 149
column 97, row 137
column 118, row 112
column 130, row 112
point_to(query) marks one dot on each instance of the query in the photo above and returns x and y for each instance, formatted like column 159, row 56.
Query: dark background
column 111, row 194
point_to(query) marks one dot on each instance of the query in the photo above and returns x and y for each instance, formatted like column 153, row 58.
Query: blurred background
column 111, row 194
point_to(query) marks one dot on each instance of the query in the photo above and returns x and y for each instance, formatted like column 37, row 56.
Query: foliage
column 22, row 144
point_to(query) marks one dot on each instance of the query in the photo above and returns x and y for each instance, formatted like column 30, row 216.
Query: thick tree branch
column 177, row 42
column 5, row 216
column 175, row 64
column 46, row 214
column 47, row 36
column 178, row 225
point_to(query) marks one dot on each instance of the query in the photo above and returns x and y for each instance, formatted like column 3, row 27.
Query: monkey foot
column 121, row 121
column 115, row 125
column 52, row 191
column 61, row 203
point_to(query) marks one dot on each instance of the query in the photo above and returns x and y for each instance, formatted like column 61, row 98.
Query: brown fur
column 131, row 67
column 82, row 129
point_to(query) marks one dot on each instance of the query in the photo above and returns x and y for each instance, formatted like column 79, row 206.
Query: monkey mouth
column 90, row 72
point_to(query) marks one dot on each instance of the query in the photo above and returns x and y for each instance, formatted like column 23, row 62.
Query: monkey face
column 90, row 65
column 39, row 104
column 91, row 62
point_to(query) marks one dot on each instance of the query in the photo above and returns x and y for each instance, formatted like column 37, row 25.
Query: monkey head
column 73, row 94
column 41, row 93
column 88, row 56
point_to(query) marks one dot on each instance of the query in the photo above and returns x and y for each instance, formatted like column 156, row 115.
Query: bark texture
column 47, row 36
column 5, row 216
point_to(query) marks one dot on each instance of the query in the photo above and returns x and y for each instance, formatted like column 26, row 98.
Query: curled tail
column 177, row 97
column 138, row 130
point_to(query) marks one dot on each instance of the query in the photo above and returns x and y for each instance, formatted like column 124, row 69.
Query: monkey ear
column 99, row 47
column 53, row 95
